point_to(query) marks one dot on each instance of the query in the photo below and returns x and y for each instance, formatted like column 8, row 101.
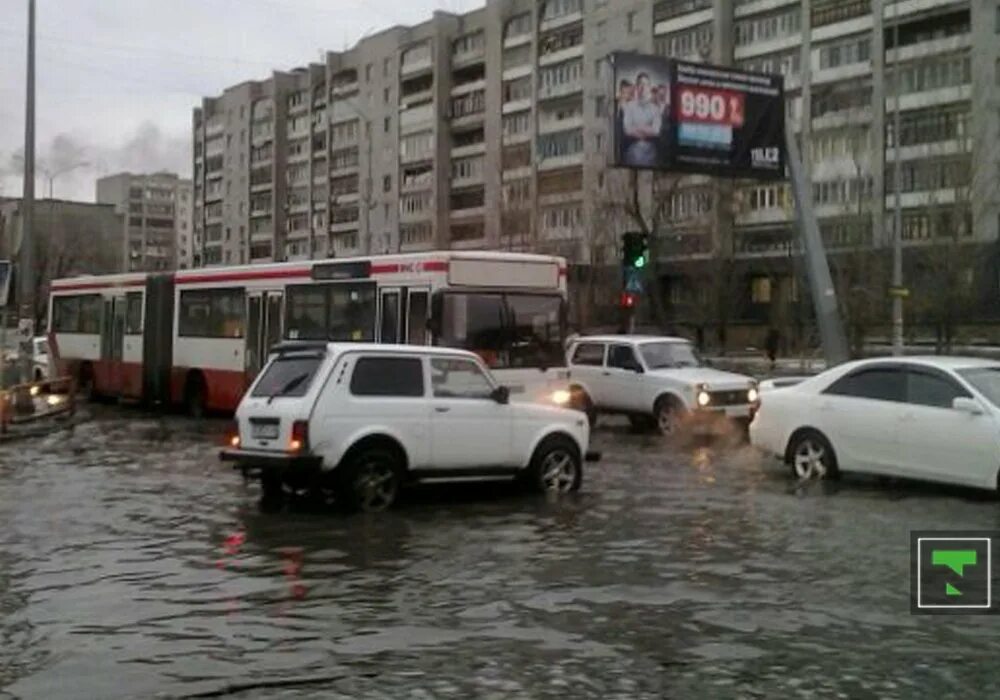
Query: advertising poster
column 641, row 113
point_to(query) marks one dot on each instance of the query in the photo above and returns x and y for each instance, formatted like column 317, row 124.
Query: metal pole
column 26, row 271
column 824, row 294
column 897, row 215
column 367, row 201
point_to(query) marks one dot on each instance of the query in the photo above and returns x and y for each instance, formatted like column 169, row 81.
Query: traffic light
column 628, row 300
column 635, row 250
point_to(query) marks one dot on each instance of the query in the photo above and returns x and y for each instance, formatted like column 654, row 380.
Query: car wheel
column 667, row 416
column 556, row 466
column 372, row 480
column 811, row 456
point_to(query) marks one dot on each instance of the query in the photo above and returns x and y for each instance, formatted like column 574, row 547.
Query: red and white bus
column 198, row 337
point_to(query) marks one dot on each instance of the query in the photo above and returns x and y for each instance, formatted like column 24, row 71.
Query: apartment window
column 261, row 225
column 766, row 197
column 517, row 192
column 760, row 290
column 386, row 95
column 847, row 191
column 467, row 198
column 666, row 9
column 467, row 231
column 297, row 147
column 260, row 202
column 416, row 54
column 387, row 183
column 462, row 168
column 563, row 143
column 560, row 40
column 417, row 145
column 344, row 158
column 243, row 111
column 471, row 103
column 599, row 142
column 470, row 43
column 473, row 137
column 562, row 219
column 519, row 25
column 832, row 11
column 561, row 74
column 418, row 176
column 344, row 215
column 340, row 186
column 786, row 63
column 844, row 53
column 930, row 175
column 386, row 67
column 415, row 234
column 368, row 73
column 296, row 99
column 602, row 30
column 415, row 203
column 387, row 125
column 942, row 123
column 931, row 74
column 631, row 22
column 297, row 173
column 768, row 27
column 517, row 89
column 600, row 107
column 517, row 56
column 684, row 43
column 344, row 131
column 847, row 96
column 553, row 9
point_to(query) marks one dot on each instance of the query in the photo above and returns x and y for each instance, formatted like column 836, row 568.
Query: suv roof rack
column 287, row 346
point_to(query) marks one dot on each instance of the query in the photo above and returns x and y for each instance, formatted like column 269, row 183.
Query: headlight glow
column 35, row 390
column 704, row 398
column 53, row 399
column 753, row 394
column 561, row 397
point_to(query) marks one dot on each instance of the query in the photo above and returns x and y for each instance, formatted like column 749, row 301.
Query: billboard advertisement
column 642, row 111
column 697, row 118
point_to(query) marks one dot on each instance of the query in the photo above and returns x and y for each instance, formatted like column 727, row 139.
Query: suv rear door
column 587, row 366
column 283, row 394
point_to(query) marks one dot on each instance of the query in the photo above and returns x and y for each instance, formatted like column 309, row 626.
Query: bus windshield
column 505, row 330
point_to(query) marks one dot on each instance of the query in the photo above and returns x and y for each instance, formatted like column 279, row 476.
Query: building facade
column 489, row 129
column 157, row 210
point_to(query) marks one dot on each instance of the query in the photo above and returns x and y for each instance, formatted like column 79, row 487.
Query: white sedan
column 929, row 418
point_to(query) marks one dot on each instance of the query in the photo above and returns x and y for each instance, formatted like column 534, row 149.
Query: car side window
column 878, row 383
column 929, row 388
column 622, row 357
column 455, row 378
column 388, row 376
column 590, row 354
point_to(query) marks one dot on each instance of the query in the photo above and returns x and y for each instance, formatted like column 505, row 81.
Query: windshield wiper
column 288, row 386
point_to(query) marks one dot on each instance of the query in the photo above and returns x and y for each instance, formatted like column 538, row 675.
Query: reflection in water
column 130, row 568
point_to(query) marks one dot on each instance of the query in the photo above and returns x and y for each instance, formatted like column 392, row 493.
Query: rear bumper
column 255, row 462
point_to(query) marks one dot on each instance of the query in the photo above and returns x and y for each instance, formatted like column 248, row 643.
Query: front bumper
column 257, row 462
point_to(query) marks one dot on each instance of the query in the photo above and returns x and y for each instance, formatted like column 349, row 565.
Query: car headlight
column 561, row 397
column 703, row 398
column 54, row 399
column 753, row 394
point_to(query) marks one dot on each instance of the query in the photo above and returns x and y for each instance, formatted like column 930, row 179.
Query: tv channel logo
column 951, row 572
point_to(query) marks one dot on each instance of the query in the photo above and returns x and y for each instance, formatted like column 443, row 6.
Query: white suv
column 655, row 381
column 357, row 421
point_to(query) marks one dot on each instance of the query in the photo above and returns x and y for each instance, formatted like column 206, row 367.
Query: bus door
column 390, row 319
column 418, row 309
column 264, row 326
column 109, row 377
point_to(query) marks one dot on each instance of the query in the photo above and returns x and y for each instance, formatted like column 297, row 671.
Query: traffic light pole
column 824, row 294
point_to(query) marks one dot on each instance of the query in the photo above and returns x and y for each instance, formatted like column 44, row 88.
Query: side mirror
column 501, row 395
column 967, row 405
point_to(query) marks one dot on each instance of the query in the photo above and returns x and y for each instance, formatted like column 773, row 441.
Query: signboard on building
column 687, row 117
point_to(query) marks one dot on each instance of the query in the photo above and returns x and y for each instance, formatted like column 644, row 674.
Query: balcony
column 214, row 126
column 560, row 55
column 416, row 60
column 548, row 92
column 417, row 118
column 563, row 20
column 564, row 161
column 344, row 83
column 548, row 126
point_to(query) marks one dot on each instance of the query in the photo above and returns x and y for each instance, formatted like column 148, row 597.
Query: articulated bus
column 197, row 338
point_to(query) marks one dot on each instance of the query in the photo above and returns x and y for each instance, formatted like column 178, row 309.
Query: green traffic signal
column 640, row 262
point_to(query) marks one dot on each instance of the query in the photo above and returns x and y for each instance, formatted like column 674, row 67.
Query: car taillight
column 299, row 442
column 233, row 435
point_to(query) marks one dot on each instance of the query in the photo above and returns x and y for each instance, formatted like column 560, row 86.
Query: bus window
column 212, row 313
column 133, row 313
column 536, row 325
column 505, row 330
column 76, row 314
column 343, row 311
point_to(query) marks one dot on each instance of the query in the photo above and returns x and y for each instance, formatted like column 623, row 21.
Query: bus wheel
column 194, row 396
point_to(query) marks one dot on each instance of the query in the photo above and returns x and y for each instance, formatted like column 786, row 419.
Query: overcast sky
column 117, row 79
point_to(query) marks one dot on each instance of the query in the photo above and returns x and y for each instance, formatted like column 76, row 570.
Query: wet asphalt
column 134, row 565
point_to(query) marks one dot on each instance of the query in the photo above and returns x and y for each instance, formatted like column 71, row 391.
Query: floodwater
column 134, row 564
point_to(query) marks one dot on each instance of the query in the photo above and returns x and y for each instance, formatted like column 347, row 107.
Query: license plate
column 264, row 431
column 738, row 412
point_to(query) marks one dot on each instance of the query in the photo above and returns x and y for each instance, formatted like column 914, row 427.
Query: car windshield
column 289, row 375
column 986, row 380
column 669, row 354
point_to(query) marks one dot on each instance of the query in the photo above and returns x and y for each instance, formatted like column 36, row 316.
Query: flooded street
column 134, row 564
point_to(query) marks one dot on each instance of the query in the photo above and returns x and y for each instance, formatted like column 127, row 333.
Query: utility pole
column 26, row 268
column 897, row 215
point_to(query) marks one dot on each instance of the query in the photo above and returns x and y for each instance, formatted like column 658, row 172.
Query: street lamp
column 51, row 175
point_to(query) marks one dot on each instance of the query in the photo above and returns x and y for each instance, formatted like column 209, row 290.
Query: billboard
column 697, row 118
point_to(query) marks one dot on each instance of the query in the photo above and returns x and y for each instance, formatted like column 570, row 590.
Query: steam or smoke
column 147, row 149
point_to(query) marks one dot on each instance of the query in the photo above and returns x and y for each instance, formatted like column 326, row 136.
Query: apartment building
column 156, row 210
column 489, row 130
